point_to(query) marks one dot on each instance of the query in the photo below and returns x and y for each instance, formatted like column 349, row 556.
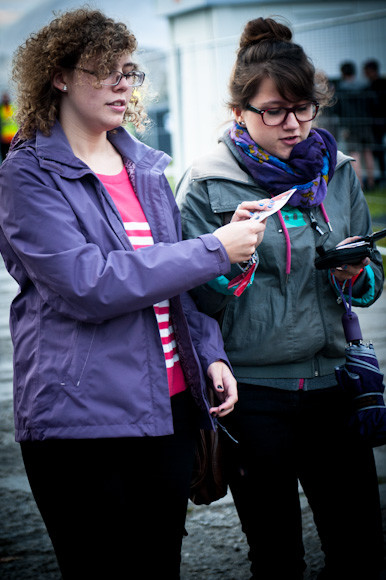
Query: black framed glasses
column 134, row 78
column 277, row 116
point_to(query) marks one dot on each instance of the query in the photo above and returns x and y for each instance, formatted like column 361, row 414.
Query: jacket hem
column 92, row 432
column 302, row 370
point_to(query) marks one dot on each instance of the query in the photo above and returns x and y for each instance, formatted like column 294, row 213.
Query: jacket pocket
column 79, row 353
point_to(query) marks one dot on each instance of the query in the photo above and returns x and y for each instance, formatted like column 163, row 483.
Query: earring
column 242, row 123
column 64, row 88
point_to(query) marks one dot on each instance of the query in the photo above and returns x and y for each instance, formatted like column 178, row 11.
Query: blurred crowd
column 358, row 120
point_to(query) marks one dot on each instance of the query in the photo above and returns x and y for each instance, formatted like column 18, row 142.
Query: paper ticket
column 278, row 201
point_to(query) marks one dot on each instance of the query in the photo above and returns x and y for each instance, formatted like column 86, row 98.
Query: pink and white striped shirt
column 140, row 236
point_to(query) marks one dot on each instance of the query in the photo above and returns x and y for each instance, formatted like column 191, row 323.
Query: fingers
column 259, row 230
column 258, row 226
column 223, row 409
column 241, row 214
column 220, row 411
column 347, row 271
column 349, row 240
column 246, row 209
column 225, row 386
column 240, row 239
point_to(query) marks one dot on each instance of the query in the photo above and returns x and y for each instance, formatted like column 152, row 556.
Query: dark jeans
column 115, row 508
column 286, row 436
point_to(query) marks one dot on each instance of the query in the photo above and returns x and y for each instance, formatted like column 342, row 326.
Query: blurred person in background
column 377, row 85
column 353, row 107
column 8, row 127
column 284, row 334
column 111, row 356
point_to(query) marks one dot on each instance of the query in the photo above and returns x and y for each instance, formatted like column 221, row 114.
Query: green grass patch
column 376, row 201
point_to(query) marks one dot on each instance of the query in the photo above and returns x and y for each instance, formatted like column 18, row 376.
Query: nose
column 291, row 121
column 123, row 84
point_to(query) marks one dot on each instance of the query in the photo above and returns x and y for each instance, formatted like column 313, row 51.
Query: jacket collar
column 220, row 164
column 55, row 154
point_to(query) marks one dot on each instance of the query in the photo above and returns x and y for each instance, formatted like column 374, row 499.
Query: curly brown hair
column 73, row 38
column 266, row 50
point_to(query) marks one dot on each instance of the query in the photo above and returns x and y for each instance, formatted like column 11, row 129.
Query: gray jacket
column 281, row 329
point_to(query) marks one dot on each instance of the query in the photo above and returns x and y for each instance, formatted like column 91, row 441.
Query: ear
column 58, row 81
column 237, row 114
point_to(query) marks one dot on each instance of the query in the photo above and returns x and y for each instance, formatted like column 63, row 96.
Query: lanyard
column 241, row 281
column 350, row 320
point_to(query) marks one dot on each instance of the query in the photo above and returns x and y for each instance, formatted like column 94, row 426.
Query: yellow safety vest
column 8, row 126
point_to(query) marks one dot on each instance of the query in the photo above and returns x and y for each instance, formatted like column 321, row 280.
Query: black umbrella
column 362, row 381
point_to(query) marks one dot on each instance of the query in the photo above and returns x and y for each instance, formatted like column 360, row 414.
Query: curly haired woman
column 111, row 357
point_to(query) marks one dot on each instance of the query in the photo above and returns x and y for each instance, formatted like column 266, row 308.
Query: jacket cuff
column 213, row 244
column 363, row 290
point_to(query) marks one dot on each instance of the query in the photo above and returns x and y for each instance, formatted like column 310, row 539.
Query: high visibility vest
column 8, row 126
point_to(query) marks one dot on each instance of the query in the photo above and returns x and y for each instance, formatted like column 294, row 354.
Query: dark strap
column 226, row 217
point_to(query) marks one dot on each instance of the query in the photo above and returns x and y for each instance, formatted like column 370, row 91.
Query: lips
column 118, row 106
column 290, row 140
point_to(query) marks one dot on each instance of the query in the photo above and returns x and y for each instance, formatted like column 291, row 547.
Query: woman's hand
column 245, row 209
column 347, row 271
column 225, row 387
column 240, row 239
column 242, row 235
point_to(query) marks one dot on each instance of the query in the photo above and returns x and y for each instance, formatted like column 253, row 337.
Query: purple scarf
column 309, row 168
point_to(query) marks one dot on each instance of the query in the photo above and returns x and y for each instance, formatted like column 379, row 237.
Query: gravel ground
column 214, row 549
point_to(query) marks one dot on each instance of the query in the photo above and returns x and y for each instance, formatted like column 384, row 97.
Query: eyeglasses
column 134, row 78
column 273, row 117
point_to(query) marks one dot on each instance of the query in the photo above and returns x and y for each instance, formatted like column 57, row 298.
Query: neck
column 94, row 149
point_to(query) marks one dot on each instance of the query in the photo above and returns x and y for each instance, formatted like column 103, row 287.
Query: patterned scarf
column 309, row 168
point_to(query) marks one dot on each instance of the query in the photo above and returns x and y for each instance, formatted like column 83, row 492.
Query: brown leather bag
column 209, row 481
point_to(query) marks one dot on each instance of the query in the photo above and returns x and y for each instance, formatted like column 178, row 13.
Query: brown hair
column 266, row 50
column 72, row 39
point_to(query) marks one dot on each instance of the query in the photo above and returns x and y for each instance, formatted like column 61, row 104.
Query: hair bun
column 261, row 29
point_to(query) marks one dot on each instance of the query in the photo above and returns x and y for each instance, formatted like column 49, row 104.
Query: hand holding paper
column 246, row 277
column 275, row 204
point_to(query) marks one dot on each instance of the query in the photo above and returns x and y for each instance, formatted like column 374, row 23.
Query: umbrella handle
column 351, row 327
column 350, row 320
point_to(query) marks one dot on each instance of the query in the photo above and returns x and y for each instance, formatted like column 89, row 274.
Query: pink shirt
column 140, row 236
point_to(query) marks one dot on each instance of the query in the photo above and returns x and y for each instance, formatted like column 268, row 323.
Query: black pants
column 379, row 149
column 288, row 436
column 115, row 508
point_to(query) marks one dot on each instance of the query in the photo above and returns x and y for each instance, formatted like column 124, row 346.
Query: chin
column 285, row 156
column 112, row 127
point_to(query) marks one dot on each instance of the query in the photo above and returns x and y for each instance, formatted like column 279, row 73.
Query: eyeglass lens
column 133, row 78
column 303, row 113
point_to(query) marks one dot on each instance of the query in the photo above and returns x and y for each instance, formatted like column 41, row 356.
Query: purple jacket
column 88, row 360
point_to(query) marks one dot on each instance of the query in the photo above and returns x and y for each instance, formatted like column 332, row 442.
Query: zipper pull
column 314, row 224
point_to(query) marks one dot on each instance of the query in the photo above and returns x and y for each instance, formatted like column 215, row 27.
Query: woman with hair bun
column 283, row 334
column 111, row 357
